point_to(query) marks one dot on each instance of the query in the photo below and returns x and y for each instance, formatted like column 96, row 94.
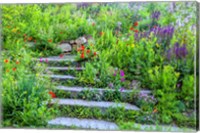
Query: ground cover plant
column 140, row 55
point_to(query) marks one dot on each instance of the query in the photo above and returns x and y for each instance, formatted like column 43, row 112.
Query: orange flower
column 88, row 51
column 30, row 38
column 6, row 61
column 50, row 40
column 53, row 95
column 82, row 55
column 17, row 62
column 14, row 69
column 136, row 31
column 7, row 70
column 136, row 24
column 131, row 28
column 82, row 48
column 155, row 110
column 95, row 53
column 102, row 33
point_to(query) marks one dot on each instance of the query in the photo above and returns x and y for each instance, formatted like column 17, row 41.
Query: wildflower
column 82, row 47
column 53, row 95
column 131, row 28
column 121, row 89
column 14, row 30
column 82, row 55
column 102, row 33
column 111, row 85
column 155, row 110
column 6, row 61
column 115, row 73
column 95, row 53
column 121, row 73
column 136, row 31
column 136, row 24
column 7, row 70
column 41, row 60
column 61, row 55
column 46, row 60
column 155, row 15
column 17, row 62
column 88, row 51
column 132, row 45
column 50, row 40
column 30, row 38
column 14, row 69
column 122, row 79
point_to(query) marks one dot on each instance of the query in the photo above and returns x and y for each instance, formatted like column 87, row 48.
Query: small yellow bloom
column 132, row 45
column 14, row 30
column 157, row 45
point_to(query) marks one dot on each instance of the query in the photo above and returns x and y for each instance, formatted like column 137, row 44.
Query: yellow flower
column 14, row 30
column 132, row 45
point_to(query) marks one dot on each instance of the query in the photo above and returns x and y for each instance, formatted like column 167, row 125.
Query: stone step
column 60, row 77
column 65, row 68
column 78, row 89
column 83, row 123
column 65, row 58
column 102, row 105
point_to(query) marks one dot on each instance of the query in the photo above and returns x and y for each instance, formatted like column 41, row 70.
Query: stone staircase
column 95, row 124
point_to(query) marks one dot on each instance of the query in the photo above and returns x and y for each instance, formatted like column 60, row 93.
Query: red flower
column 61, row 55
column 30, row 38
column 131, row 28
column 82, row 55
column 102, row 33
column 50, row 40
column 88, row 51
column 136, row 31
column 82, row 48
column 136, row 24
column 53, row 95
column 6, row 60
column 95, row 53
column 14, row 69
column 17, row 62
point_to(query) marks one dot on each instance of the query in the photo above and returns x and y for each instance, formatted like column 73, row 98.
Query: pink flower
column 41, row 60
column 122, row 79
column 121, row 89
column 121, row 73
column 46, row 60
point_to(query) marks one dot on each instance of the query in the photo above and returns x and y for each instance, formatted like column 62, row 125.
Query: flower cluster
column 85, row 52
column 135, row 24
column 53, row 95
column 155, row 15
column 178, row 51
column 6, row 61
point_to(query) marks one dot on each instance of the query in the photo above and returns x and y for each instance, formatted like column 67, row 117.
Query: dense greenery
column 153, row 43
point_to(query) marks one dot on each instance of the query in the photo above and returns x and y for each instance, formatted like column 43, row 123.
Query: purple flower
column 115, row 73
column 121, row 73
column 122, row 79
column 111, row 85
column 155, row 15
column 41, row 60
column 121, row 89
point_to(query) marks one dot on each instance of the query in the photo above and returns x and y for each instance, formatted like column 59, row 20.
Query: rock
column 65, row 47
column 81, row 40
column 72, row 42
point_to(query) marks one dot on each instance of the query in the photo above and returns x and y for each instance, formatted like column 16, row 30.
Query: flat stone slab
column 84, row 123
column 102, row 104
column 68, row 58
column 100, row 90
column 60, row 77
column 164, row 128
column 65, row 68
